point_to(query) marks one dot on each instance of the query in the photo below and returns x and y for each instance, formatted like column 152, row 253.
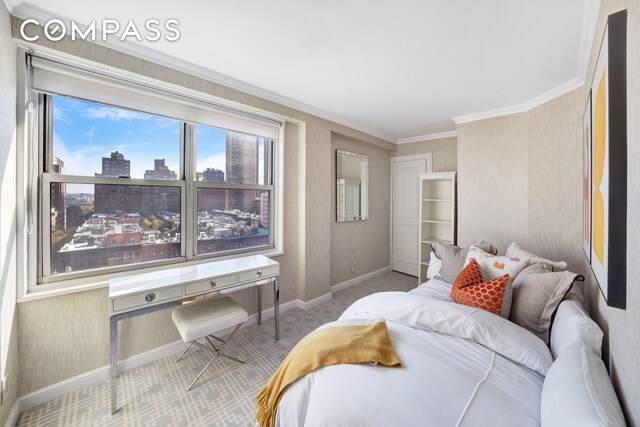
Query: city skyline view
column 85, row 132
column 102, row 225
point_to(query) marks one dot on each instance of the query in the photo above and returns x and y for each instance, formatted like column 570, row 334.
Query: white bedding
column 461, row 366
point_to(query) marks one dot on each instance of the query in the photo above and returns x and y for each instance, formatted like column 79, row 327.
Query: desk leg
column 113, row 370
column 276, row 305
column 259, row 304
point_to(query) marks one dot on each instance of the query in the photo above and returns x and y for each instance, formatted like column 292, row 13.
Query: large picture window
column 124, row 188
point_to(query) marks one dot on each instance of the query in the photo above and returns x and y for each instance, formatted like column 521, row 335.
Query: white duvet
column 461, row 366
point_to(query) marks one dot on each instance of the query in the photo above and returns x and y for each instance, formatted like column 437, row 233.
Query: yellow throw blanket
column 325, row 347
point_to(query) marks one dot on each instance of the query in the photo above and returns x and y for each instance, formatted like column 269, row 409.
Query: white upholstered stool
column 203, row 319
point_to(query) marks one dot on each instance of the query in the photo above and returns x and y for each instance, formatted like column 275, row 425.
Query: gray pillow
column 577, row 391
column 453, row 258
column 537, row 293
column 572, row 323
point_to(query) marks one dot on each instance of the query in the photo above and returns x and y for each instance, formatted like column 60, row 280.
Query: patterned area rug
column 154, row 395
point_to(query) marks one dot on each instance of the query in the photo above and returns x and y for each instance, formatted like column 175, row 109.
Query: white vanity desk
column 142, row 293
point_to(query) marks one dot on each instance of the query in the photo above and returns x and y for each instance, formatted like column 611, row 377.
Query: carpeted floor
column 155, row 395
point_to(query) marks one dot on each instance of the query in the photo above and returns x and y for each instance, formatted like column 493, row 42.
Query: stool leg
column 202, row 372
column 182, row 354
column 212, row 344
column 218, row 353
column 231, row 357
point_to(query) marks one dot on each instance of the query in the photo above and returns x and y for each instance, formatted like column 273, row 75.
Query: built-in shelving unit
column 437, row 214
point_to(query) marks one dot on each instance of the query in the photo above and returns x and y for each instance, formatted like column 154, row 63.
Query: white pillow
column 515, row 250
column 492, row 267
column 577, row 391
column 573, row 323
column 435, row 265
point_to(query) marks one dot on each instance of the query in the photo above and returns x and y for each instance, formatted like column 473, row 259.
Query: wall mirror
column 352, row 186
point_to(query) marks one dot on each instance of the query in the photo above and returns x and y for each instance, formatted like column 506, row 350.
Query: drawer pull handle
column 212, row 283
column 150, row 297
column 259, row 273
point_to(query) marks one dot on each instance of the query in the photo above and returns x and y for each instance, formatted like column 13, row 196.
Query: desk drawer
column 149, row 298
column 258, row 274
column 207, row 285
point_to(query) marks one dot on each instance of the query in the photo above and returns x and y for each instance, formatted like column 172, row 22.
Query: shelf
column 430, row 240
column 437, row 202
column 435, row 221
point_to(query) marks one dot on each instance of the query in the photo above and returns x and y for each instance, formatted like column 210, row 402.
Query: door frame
column 428, row 158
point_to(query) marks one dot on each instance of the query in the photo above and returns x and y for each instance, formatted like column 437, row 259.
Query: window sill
column 87, row 284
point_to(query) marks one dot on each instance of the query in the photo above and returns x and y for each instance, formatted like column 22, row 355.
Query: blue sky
column 86, row 132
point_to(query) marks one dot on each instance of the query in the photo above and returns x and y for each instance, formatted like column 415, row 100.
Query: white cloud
column 81, row 161
column 120, row 147
column 112, row 114
column 59, row 114
column 217, row 161
column 91, row 133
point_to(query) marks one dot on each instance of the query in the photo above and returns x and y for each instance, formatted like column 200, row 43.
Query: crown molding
column 591, row 10
column 564, row 88
column 12, row 5
column 590, row 13
column 429, row 137
column 27, row 10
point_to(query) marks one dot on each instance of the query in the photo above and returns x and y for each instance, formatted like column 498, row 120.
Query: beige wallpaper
column 520, row 179
column 45, row 332
column 362, row 246
column 444, row 151
column 492, row 181
column 8, row 315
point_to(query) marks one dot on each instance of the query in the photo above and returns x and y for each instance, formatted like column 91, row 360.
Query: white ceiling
column 395, row 69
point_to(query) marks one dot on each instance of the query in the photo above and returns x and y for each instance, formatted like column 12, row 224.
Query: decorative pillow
column 537, row 292
column 470, row 275
column 453, row 258
column 493, row 266
column 435, row 265
column 516, row 251
column 577, row 391
column 572, row 323
column 469, row 289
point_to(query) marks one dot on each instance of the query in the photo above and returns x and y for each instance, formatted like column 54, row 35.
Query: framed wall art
column 609, row 163
column 586, row 179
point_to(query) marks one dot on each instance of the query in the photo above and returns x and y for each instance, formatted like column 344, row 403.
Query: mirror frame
column 365, row 158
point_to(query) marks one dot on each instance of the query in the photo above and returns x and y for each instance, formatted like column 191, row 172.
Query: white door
column 405, row 208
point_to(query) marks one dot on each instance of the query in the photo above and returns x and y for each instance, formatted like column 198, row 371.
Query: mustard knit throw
column 325, row 347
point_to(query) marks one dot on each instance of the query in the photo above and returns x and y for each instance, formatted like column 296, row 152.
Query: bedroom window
column 121, row 187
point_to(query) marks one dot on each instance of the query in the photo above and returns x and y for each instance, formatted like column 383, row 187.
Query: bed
column 493, row 376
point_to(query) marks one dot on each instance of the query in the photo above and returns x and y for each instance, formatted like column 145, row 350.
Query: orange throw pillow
column 470, row 275
column 469, row 289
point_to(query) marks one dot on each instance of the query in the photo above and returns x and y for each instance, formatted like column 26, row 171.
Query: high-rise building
column 242, row 168
column 213, row 175
column 267, row 161
column 212, row 198
column 160, row 171
column 143, row 200
column 74, row 216
column 115, row 166
column 58, row 197
column 264, row 209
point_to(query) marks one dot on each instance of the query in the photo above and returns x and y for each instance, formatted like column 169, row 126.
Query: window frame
column 35, row 187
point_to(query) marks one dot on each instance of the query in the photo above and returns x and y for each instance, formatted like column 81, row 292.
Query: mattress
column 461, row 366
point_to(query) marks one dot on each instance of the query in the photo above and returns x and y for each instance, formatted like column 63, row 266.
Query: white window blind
column 52, row 77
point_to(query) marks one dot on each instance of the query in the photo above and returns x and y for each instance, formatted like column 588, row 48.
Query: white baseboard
column 348, row 283
column 308, row 305
column 12, row 419
column 101, row 375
